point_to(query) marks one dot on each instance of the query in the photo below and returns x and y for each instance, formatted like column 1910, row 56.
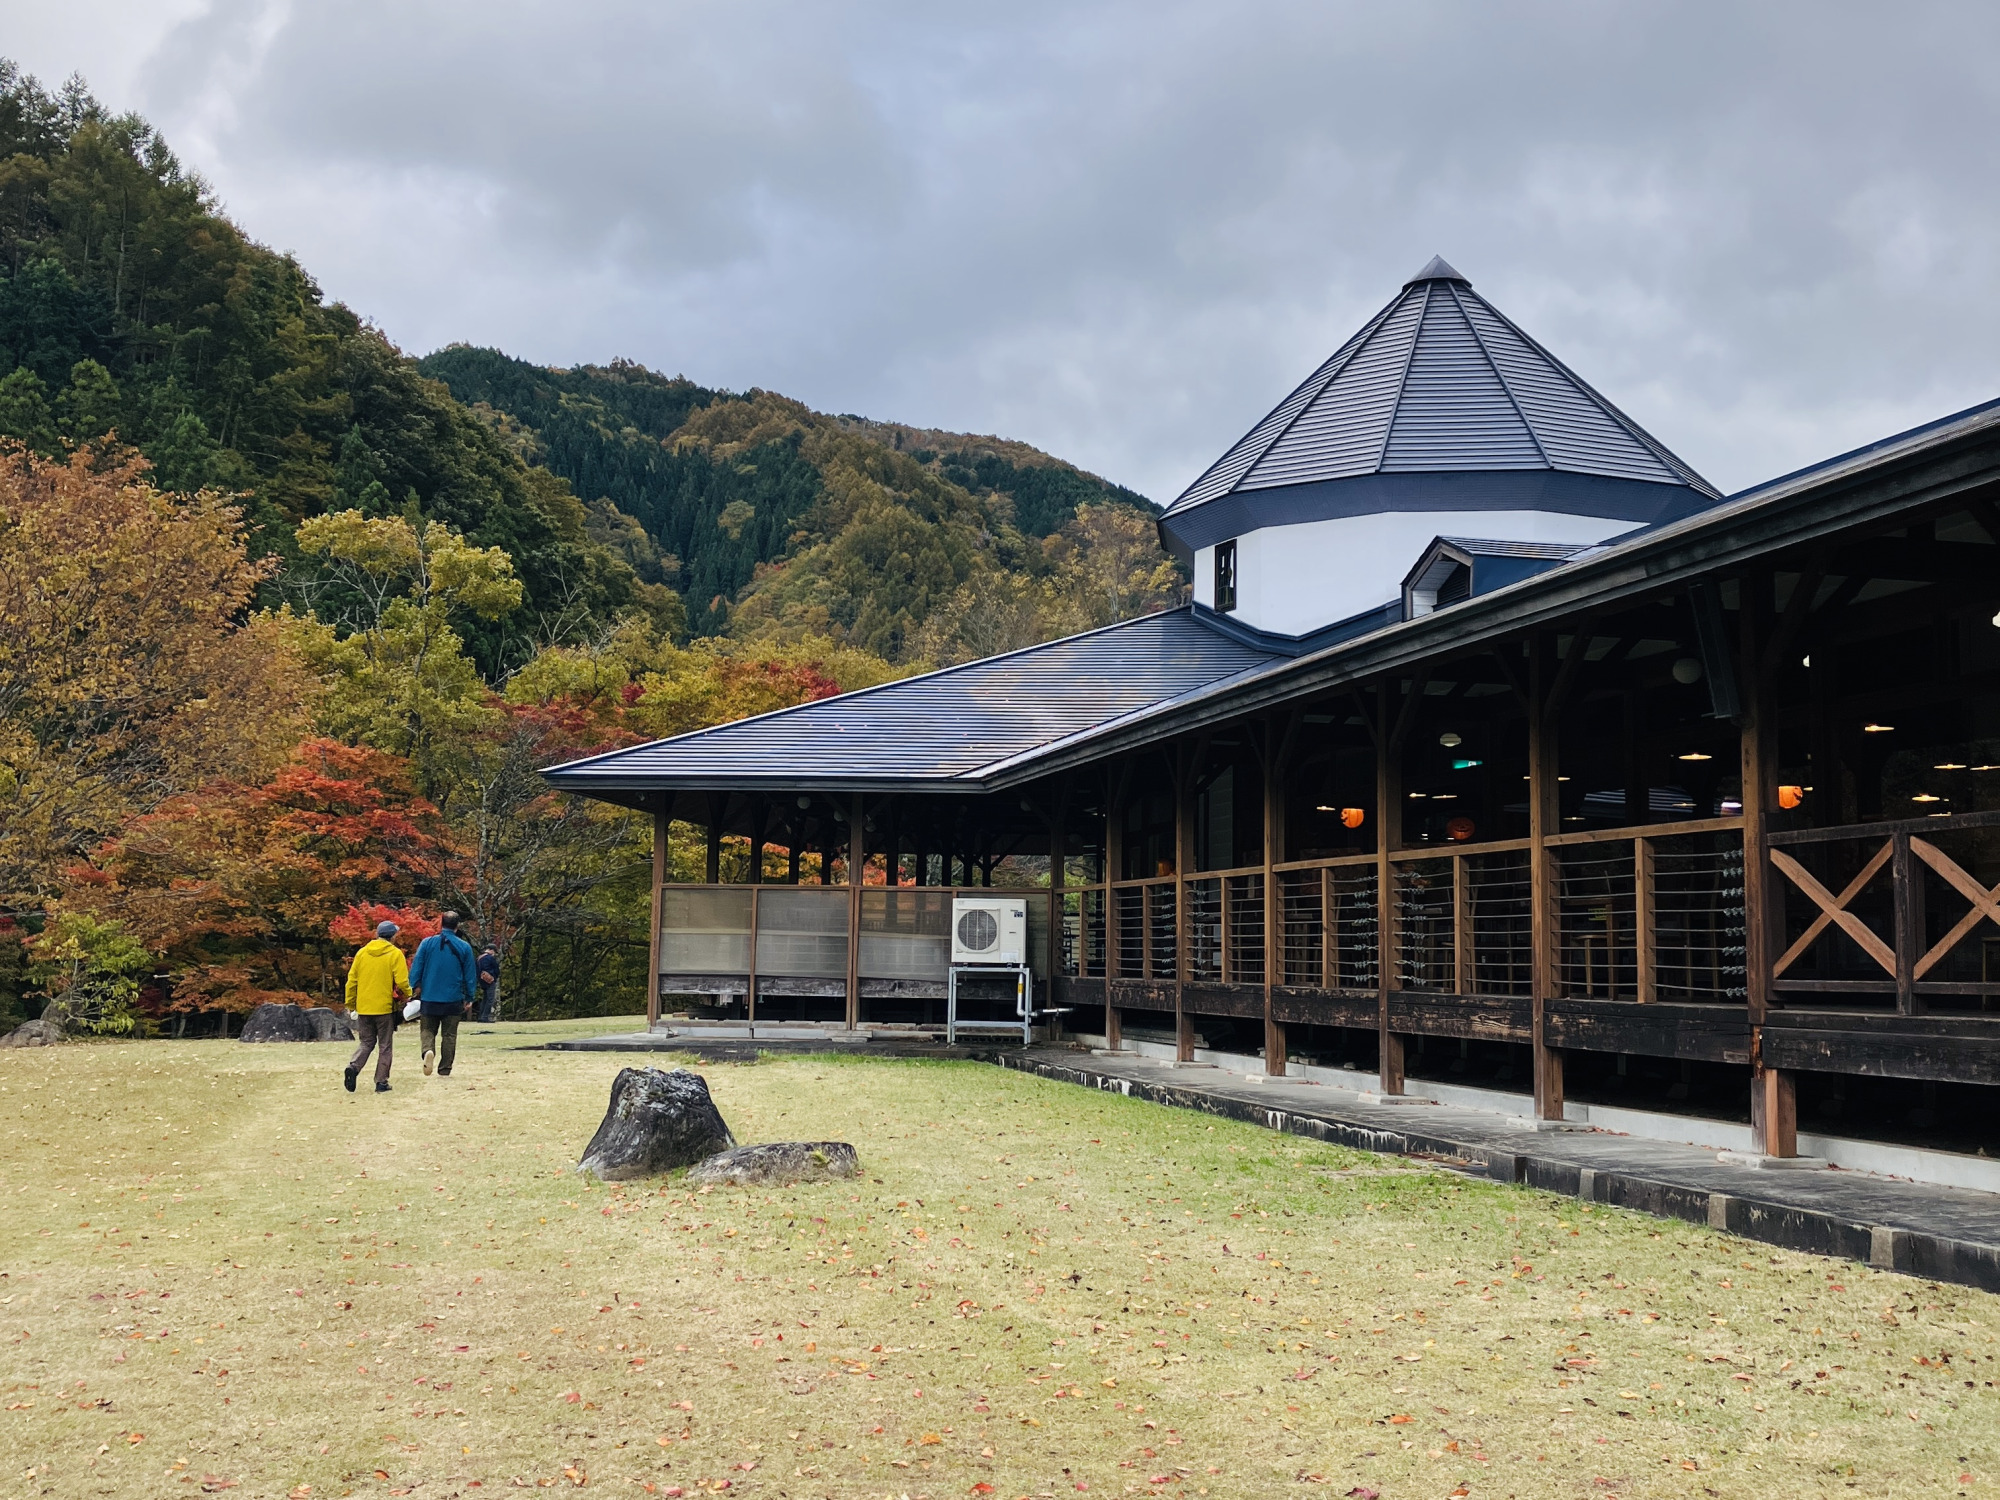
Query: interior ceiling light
column 1878, row 728
column 1687, row 671
column 1950, row 765
column 1444, row 796
column 1466, row 765
column 1926, row 797
column 1450, row 740
column 1416, row 794
column 1805, row 661
column 1986, row 768
column 1695, row 755
column 1324, row 808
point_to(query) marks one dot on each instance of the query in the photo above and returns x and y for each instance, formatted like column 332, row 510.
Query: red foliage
column 239, row 888
column 356, row 926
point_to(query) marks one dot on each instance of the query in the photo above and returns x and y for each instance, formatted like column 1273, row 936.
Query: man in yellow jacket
column 378, row 982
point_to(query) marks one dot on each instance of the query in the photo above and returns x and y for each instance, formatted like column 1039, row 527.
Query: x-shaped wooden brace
column 1833, row 909
column 1983, row 901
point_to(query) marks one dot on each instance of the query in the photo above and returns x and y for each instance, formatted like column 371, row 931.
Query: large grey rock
column 277, row 1023
column 656, row 1122
column 329, row 1025
column 778, row 1162
column 296, row 1023
column 33, row 1034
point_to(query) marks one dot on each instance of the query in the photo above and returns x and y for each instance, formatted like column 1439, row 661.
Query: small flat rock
column 657, row 1121
column 778, row 1162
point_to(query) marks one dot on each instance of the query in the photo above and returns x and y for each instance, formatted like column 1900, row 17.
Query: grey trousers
column 448, row 1048
column 375, row 1034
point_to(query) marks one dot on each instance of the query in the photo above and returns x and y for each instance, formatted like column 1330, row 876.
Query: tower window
column 1225, row 576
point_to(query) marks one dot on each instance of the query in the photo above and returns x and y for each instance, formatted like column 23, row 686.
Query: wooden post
column 759, row 813
column 1187, row 766
column 718, row 803
column 857, row 854
column 1388, row 836
column 1907, row 878
column 1645, row 941
column 1544, row 819
column 1275, row 750
column 750, row 983
column 1114, row 869
column 1058, row 915
column 1773, row 1097
column 663, row 815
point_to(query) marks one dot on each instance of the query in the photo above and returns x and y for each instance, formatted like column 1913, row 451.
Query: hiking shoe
column 444, row 1072
column 347, row 1076
column 429, row 1059
column 382, row 1086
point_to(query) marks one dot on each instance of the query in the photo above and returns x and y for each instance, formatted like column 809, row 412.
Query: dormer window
column 1225, row 576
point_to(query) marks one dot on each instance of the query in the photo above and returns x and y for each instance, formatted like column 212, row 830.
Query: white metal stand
column 1024, row 1002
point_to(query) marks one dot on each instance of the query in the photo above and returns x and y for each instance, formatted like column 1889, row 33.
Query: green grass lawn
column 222, row 1272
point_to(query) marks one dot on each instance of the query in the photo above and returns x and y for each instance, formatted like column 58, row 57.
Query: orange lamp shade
column 1791, row 796
column 1353, row 817
column 1458, row 830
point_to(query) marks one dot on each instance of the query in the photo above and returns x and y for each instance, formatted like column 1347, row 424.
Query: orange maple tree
column 247, row 893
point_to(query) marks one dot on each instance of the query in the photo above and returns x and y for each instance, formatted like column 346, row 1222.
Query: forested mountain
column 289, row 621
column 773, row 520
column 129, row 303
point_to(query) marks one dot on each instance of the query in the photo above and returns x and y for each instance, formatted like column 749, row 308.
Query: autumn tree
column 241, row 890
column 398, row 672
column 128, row 673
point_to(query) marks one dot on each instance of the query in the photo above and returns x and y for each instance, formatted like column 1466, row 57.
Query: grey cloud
column 1123, row 230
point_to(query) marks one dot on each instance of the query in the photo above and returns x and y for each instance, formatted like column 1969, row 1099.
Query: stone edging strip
column 1790, row 1226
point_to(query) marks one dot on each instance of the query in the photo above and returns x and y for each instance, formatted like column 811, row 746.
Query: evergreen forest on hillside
column 289, row 619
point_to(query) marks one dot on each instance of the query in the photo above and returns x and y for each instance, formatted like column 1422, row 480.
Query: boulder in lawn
column 777, row 1163
column 277, row 1023
column 329, row 1025
column 33, row 1034
column 657, row 1122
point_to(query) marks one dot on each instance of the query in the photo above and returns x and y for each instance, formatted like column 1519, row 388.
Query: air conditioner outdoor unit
column 989, row 930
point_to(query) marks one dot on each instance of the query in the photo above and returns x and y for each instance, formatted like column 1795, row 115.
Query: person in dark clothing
column 489, row 986
column 444, row 978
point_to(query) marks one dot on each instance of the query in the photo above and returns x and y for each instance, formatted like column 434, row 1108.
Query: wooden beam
column 1406, row 718
column 1572, row 663
column 1773, row 1102
column 1797, row 609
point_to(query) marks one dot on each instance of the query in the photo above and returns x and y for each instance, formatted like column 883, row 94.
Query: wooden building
column 1496, row 746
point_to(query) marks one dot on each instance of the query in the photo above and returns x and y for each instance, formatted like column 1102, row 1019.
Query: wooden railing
column 1639, row 914
column 1890, row 916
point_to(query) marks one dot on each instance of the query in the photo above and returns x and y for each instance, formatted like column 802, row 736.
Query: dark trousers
column 483, row 1013
column 448, row 1048
column 375, row 1034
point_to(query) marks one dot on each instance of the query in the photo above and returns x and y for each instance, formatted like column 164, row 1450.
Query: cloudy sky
column 1118, row 231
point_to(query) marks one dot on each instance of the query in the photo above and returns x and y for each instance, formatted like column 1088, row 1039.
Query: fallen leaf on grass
column 1362, row 1492
column 981, row 1488
column 211, row 1483
column 1399, row 1419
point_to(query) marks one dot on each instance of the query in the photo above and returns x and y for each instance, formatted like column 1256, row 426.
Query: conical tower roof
column 1438, row 403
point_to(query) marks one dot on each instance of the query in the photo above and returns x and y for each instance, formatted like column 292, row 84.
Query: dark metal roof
column 1480, row 546
column 1440, row 382
column 940, row 731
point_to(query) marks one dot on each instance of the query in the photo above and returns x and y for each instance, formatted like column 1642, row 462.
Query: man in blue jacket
column 444, row 978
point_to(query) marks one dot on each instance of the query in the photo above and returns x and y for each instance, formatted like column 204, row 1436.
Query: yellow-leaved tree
column 381, row 634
